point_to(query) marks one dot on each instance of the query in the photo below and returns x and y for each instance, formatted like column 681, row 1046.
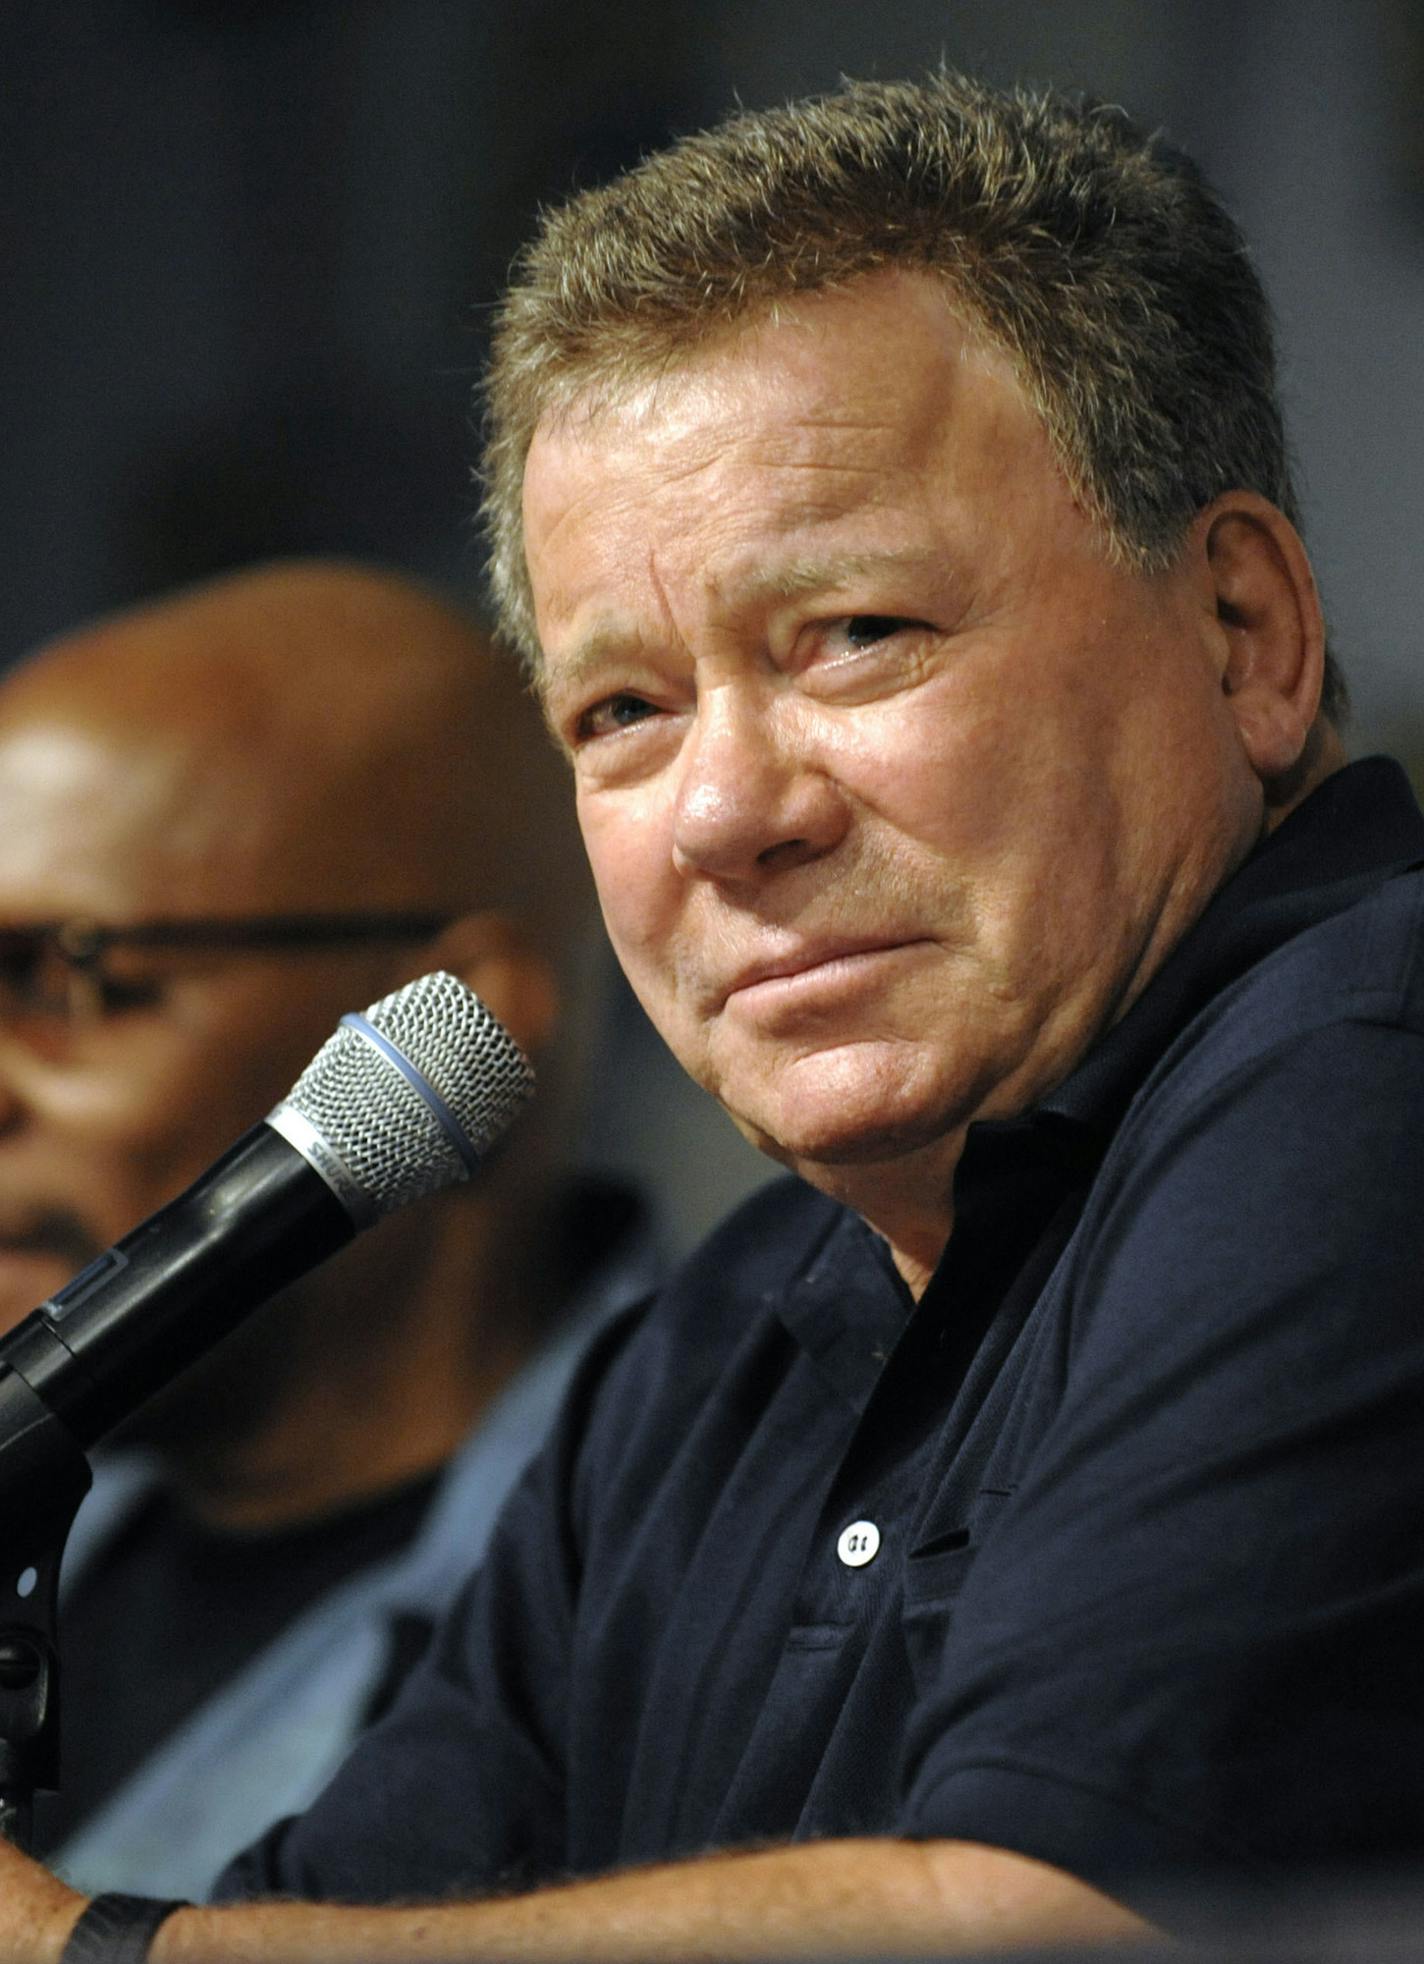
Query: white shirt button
column 858, row 1544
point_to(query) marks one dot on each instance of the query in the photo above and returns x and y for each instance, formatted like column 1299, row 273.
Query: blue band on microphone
column 449, row 1124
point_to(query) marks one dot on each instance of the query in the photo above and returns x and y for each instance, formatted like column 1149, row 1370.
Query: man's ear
column 491, row 954
column 1272, row 633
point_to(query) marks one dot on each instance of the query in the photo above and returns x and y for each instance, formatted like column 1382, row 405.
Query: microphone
column 402, row 1101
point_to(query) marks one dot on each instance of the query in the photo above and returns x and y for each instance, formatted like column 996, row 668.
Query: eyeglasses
column 53, row 972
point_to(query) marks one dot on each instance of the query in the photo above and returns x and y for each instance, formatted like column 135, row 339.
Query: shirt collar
column 1355, row 830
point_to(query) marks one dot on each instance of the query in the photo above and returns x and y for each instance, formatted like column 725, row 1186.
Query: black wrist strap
column 117, row 1929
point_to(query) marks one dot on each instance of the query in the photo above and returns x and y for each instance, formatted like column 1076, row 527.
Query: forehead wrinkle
column 660, row 589
column 815, row 423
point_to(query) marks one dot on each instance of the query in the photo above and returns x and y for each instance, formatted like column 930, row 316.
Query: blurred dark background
column 249, row 248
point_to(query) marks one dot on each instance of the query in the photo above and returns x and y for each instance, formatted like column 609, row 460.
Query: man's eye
column 614, row 713
column 121, row 992
column 864, row 630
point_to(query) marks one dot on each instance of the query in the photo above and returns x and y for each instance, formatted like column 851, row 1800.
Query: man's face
column 895, row 790
column 105, row 1119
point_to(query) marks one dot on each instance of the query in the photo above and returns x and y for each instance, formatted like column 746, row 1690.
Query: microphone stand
column 85, row 1352
column 44, row 1475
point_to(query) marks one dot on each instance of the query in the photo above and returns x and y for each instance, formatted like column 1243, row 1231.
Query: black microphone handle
column 132, row 1320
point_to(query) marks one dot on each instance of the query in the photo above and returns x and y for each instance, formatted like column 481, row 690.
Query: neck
column 908, row 1200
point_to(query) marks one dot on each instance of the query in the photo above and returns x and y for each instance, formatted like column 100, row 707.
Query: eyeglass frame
column 80, row 943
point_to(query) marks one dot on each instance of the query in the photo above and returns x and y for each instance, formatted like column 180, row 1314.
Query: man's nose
column 753, row 797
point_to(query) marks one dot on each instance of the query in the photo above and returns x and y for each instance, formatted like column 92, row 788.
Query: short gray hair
column 1092, row 254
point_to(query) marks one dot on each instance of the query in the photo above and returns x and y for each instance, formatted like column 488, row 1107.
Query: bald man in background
column 226, row 819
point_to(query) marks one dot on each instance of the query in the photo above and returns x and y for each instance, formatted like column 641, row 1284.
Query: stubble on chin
column 853, row 1113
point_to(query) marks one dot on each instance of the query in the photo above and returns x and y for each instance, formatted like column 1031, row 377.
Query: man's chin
column 844, row 1104
column 837, row 1140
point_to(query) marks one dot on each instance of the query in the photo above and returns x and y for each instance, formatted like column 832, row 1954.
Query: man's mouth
column 54, row 1238
column 817, row 965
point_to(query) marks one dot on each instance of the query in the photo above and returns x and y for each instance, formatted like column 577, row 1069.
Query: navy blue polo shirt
column 1110, row 1551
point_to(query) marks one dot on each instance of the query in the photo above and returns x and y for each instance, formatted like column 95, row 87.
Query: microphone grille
column 398, row 1128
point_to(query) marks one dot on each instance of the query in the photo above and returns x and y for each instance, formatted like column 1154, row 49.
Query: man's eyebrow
column 610, row 641
column 823, row 573
column 607, row 642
